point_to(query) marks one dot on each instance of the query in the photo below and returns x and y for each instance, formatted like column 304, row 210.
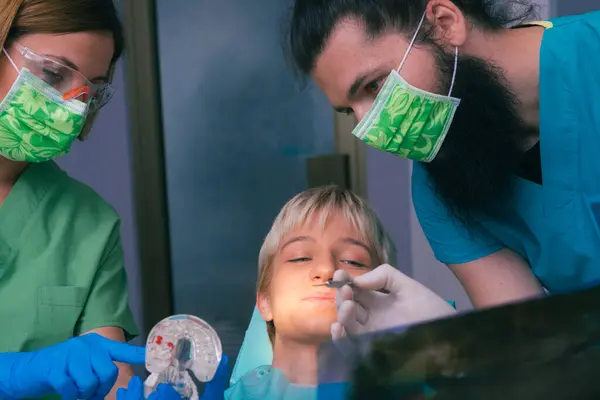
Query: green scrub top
column 61, row 262
column 555, row 226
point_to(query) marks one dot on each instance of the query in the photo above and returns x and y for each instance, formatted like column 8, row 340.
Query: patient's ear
column 264, row 307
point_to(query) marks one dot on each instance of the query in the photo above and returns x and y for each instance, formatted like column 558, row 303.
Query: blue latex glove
column 215, row 389
column 135, row 391
column 80, row 368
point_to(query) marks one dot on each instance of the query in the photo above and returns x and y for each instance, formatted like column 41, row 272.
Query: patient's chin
column 307, row 325
column 319, row 326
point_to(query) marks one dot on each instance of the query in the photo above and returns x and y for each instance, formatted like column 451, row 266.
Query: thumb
column 135, row 384
column 165, row 391
column 215, row 389
column 384, row 277
column 135, row 389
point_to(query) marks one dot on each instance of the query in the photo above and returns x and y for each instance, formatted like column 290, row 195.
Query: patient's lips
column 321, row 296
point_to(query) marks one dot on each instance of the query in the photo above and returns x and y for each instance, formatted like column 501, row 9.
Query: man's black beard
column 485, row 144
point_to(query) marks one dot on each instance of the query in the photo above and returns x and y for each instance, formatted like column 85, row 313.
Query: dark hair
column 22, row 17
column 312, row 21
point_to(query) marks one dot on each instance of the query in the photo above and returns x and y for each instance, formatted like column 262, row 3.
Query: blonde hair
column 325, row 201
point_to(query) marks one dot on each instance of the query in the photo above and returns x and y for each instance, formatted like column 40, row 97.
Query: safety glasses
column 66, row 80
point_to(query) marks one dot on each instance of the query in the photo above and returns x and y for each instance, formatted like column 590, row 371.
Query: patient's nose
column 323, row 271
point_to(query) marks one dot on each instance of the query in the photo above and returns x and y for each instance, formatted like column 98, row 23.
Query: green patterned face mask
column 36, row 123
column 408, row 121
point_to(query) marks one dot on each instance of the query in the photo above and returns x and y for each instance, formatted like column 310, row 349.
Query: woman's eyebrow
column 64, row 60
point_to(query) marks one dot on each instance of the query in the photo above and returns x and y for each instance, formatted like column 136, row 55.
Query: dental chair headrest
column 256, row 349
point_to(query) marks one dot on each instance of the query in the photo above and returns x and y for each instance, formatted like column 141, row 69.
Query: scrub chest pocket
column 58, row 309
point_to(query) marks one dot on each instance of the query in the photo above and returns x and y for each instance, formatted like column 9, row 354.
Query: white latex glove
column 362, row 309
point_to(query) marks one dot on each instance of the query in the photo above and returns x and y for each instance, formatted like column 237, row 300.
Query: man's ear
column 264, row 307
column 449, row 23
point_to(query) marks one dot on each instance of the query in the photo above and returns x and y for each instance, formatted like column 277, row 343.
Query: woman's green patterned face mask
column 36, row 123
column 408, row 121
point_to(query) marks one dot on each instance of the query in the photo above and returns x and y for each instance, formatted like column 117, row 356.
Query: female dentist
column 61, row 261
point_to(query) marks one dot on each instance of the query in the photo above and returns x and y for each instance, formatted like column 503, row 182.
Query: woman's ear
column 264, row 307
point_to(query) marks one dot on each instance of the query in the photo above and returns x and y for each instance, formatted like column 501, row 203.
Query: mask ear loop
column 454, row 72
column 412, row 42
column 10, row 60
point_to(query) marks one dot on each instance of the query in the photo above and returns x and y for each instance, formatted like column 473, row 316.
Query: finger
column 342, row 294
column 384, row 277
column 127, row 353
column 80, row 370
column 62, row 384
column 106, row 372
column 341, row 275
column 118, row 351
column 135, row 388
column 155, row 395
column 360, row 313
column 351, row 313
column 122, row 394
column 337, row 331
column 346, row 314
column 215, row 389
column 223, row 368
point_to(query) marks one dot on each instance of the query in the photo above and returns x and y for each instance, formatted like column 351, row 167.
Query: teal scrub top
column 554, row 226
column 61, row 262
column 268, row 383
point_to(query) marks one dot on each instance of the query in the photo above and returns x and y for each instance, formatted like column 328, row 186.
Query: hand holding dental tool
column 80, row 368
column 363, row 306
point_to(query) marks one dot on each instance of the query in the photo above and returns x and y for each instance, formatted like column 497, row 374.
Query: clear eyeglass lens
column 65, row 79
column 60, row 77
column 101, row 96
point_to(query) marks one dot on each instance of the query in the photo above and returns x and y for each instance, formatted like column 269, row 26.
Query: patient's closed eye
column 300, row 259
column 354, row 263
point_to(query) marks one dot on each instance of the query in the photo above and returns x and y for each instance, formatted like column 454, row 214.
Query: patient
column 316, row 233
